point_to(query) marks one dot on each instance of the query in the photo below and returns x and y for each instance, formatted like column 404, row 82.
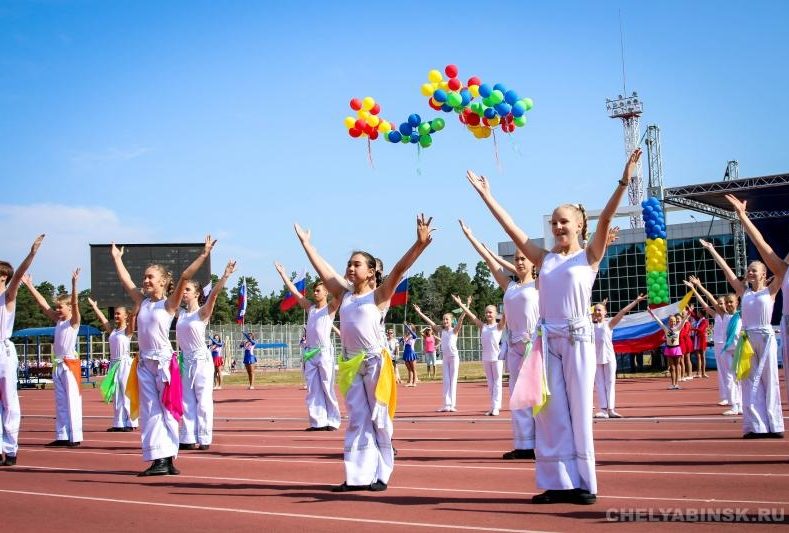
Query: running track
column 673, row 451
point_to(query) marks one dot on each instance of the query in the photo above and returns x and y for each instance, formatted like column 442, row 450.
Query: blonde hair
column 166, row 275
column 63, row 299
column 580, row 210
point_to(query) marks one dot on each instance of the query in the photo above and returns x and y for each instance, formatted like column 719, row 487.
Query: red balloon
column 359, row 124
column 473, row 119
column 462, row 118
column 474, row 80
column 485, row 121
column 375, row 109
column 451, row 71
column 508, row 118
column 435, row 105
column 454, row 84
column 354, row 132
column 368, row 129
column 374, row 135
column 356, row 104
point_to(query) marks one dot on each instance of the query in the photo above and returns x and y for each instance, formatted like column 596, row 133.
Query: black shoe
column 378, row 486
column 583, row 497
column 183, row 446
column 73, row 445
column 519, row 454
column 394, row 451
column 554, row 496
column 10, row 460
column 349, row 488
column 57, row 443
column 171, row 467
column 752, row 435
column 114, row 430
column 328, row 428
column 127, row 429
column 312, row 428
column 775, row 435
column 203, row 447
column 158, row 468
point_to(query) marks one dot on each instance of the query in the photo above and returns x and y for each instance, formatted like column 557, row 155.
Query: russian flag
column 242, row 302
column 639, row 333
column 400, row 296
column 290, row 299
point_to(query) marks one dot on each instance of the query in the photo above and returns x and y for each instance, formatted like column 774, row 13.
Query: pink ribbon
column 529, row 388
column 172, row 394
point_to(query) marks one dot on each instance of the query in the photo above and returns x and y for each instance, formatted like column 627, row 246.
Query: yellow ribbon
column 386, row 389
column 133, row 391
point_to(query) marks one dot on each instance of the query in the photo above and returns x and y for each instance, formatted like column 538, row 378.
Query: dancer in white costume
column 120, row 358
column 66, row 370
column 369, row 456
column 564, row 446
column 449, row 354
column 761, row 392
column 605, row 376
column 521, row 306
column 728, row 324
column 10, row 413
column 780, row 269
column 197, row 423
column 323, row 410
column 159, row 426
column 490, row 333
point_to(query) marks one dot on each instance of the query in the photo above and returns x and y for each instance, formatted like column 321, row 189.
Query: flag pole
column 405, row 311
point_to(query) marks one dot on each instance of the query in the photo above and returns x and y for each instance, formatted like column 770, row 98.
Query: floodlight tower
column 629, row 108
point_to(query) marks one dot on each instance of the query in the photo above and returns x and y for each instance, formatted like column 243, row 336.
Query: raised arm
column 625, row 310
column 777, row 265
column 713, row 302
column 303, row 302
column 659, row 322
column 103, row 319
column 468, row 312
column 174, row 300
column 335, row 284
column 459, row 325
column 506, row 265
column 736, row 284
column 124, row 276
column 40, row 300
column 76, row 318
column 423, row 239
column 534, row 253
column 495, row 268
column 596, row 249
column 207, row 308
column 12, row 285
column 424, row 317
column 699, row 298
column 502, row 322
column 131, row 321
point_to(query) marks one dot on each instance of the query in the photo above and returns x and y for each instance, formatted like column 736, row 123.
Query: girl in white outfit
column 490, row 339
column 197, row 423
column 761, row 394
column 369, row 456
column 605, row 376
column 120, row 364
column 323, row 410
column 449, row 354
column 157, row 309
column 10, row 413
column 66, row 370
column 564, row 445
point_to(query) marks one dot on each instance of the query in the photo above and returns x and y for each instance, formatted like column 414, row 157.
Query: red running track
column 673, row 451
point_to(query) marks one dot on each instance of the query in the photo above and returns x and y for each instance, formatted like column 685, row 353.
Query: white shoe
column 723, row 403
column 614, row 414
column 729, row 412
column 443, row 410
column 601, row 414
column 495, row 412
column 452, row 410
column 488, row 413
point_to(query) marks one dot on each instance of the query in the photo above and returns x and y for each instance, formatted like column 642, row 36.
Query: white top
column 120, row 344
column 153, row 328
column 449, row 343
column 360, row 324
column 565, row 287
column 190, row 332
column 724, row 327
column 489, row 338
column 719, row 328
column 319, row 323
column 521, row 307
column 757, row 308
column 65, row 344
column 391, row 345
column 785, row 291
column 603, row 343
column 6, row 319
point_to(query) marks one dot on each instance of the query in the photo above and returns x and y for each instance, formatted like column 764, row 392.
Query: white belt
column 196, row 355
column 60, row 358
column 7, row 347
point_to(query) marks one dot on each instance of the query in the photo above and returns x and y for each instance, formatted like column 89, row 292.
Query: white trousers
column 197, row 422
column 722, row 394
column 732, row 389
column 761, row 393
column 322, row 406
column 368, row 446
column 785, row 349
column 68, row 404
column 159, row 433
column 10, row 413
column 449, row 378
column 120, row 402
column 522, row 419
column 605, row 383
column 493, row 372
column 565, row 445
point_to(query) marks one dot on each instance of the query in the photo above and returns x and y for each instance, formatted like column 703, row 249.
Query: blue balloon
column 485, row 90
column 490, row 112
column 394, row 136
column 500, row 87
column 465, row 94
column 446, row 108
column 644, row 203
column 440, row 96
column 511, row 97
column 415, row 120
column 405, row 128
column 518, row 109
column 503, row 109
column 414, row 138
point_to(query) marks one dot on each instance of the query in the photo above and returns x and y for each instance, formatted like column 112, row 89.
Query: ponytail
column 585, row 224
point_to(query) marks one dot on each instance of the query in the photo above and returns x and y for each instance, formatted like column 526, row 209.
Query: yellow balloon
column 363, row 114
column 368, row 103
column 349, row 122
column 384, row 127
column 474, row 89
column 486, row 132
column 373, row 121
column 494, row 121
column 435, row 76
column 427, row 89
column 444, row 85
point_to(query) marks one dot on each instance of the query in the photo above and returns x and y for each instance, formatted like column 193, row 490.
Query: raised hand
column 27, row 279
column 92, row 302
column 738, row 205
column 117, row 253
column 416, row 308
column 613, row 235
column 466, row 229
column 480, row 183
column 423, row 229
column 209, row 244
column 694, row 280
column 641, row 297
column 630, row 166
column 456, row 299
column 302, row 234
column 37, row 243
column 707, row 245
column 688, row 284
column 230, row 268
column 279, row 268
column 75, row 276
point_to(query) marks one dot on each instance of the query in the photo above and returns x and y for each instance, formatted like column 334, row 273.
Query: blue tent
column 36, row 333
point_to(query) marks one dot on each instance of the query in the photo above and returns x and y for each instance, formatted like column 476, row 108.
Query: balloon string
column 370, row 153
column 496, row 150
column 418, row 160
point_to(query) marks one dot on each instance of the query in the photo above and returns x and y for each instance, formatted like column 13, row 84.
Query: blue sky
column 162, row 121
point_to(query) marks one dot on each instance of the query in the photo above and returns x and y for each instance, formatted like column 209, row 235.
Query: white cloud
column 109, row 155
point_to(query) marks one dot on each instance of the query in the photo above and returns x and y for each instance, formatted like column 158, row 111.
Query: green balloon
column 476, row 107
column 454, row 99
column 528, row 103
column 520, row 121
column 405, row 139
column 496, row 97
column 487, row 102
column 424, row 128
column 425, row 141
column 438, row 124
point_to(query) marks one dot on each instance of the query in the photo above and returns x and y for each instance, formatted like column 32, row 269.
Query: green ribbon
column 309, row 354
column 348, row 368
column 108, row 385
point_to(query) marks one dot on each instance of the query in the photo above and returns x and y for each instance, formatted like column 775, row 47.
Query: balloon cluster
column 367, row 122
column 480, row 107
column 414, row 130
column 656, row 251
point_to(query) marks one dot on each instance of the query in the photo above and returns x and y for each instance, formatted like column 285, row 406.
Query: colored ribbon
column 347, row 370
column 731, row 330
column 309, row 354
column 172, row 393
column 385, row 389
column 133, row 391
column 76, row 370
column 742, row 357
column 531, row 388
column 108, row 385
